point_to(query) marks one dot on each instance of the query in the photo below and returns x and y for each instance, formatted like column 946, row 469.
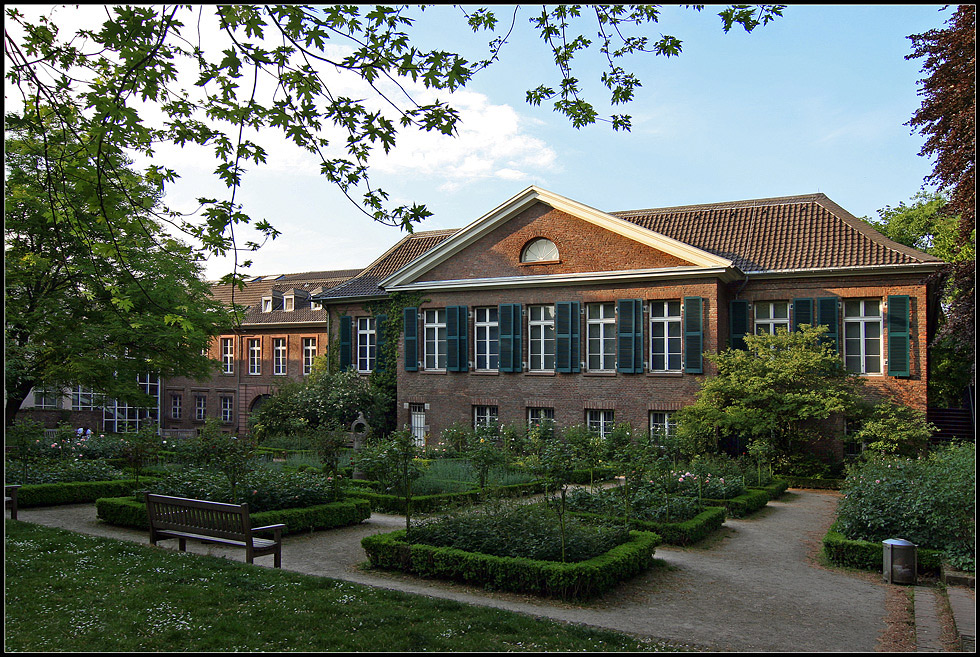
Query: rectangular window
column 47, row 398
column 484, row 416
column 539, row 415
column 487, row 339
column 662, row 423
column 665, row 336
column 862, row 335
column 367, row 344
column 436, row 346
column 771, row 315
column 120, row 417
column 309, row 353
column 601, row 319
column 600, row 421
column 176, row 400
column 200, row 407
column 255, row 356
column 541, row 338
column 227, row 406
column 288, row 303
column 279, row 356
column 227, row 356
column 85, row 399
column 419, row 427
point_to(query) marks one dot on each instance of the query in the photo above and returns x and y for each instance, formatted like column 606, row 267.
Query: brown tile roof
column 785, row 233
column 366, row 283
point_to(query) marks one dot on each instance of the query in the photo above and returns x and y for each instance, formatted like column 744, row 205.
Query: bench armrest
column 278, row 528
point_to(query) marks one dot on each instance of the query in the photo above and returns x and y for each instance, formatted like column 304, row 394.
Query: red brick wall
column 498, row 253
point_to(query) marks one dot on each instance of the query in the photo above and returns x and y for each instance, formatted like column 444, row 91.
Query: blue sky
column 815, row 101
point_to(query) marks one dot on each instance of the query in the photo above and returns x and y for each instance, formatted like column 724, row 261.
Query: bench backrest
column 216, row 519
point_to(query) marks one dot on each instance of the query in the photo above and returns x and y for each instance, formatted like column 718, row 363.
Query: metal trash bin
column 898, row 561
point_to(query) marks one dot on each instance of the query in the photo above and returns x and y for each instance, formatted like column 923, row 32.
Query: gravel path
column 754, row 586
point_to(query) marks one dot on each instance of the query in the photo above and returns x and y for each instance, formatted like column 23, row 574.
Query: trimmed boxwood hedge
column 807, row 482
column 869, row 555
column 567, row 581
column 74, row 492
column 385, row 503
column 682, row 533
column 742, row 505
column 776, row 488
column 131, row 512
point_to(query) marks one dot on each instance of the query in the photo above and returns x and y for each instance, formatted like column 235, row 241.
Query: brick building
column 547, row 308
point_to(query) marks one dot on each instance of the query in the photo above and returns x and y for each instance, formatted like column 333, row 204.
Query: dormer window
column 540, row 250
column 289, row 302
column 273, row 302
column 267, row 304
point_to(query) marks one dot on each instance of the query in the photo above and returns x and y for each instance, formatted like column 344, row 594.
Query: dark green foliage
column 868, row 555
column 73, row 492
column 53, row 472
column 522, row 531
column 684, row 532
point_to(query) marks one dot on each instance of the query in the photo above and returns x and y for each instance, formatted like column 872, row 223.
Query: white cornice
column 502, row 213
column 725, row 274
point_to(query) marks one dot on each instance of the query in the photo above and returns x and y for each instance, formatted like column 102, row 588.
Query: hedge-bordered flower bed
column 567, row 581
column 869, row 555
column 776, row 488
column 74, row 492
column 682, row 533
column 385, row 503
column 130, row 512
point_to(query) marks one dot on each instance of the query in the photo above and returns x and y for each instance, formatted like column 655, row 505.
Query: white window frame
column 367, row 344
column 200, row 407
column 176, row 405
column 487, row 339
column 279, row 357
column 288, row 303
column 47, row 398
column 537, row 414
column 861, row 348
column 540, row 249
column 85, row 399
column 228, row 355
column 768, row 322
column 601, row 421
column 664, row 421
column 254, row 356
column 600, row 321
column 484, row 416
column 436, row 349
column 227, row 409
column 666, row 336
column 309, row 355
column 541, row 338
column 419, row 426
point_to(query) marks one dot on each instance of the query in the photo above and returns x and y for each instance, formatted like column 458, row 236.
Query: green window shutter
column 629, row 336
column 693, row 335
column 509, row 316
column 411, row 340
column 827, row 315
column 346, row 354
column 898, row 336
column 380, row 324
column 802, row 313
column 738, row 324
column 456, row 347
column 567, row 336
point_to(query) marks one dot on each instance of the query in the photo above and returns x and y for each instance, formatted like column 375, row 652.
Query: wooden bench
column 10, row 499
column 216, row 522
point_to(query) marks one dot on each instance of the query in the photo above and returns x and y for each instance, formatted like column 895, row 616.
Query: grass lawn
column 70, row 592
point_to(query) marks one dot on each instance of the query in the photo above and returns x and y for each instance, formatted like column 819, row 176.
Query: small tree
column 776, row 389
column 140, row 447
column 633, row 457
column 231, row 455
column 26, row 436
column 895, row 429
column 555, row 463
column 404, row 454
column 485, row 452
column 588, row 448
column 328, row 443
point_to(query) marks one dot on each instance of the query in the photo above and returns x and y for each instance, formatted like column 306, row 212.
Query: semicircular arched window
column 539, row 250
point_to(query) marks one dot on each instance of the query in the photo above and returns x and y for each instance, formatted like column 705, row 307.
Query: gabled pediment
column 540, row 237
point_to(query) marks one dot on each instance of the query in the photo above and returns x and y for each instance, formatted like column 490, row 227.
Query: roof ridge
column 746, row 203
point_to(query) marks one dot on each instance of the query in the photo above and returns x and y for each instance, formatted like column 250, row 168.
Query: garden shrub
column 742, row 505
column 683, row 532
column 868, row 555
column 61, row 470
column 525, row 531
column 264, row 489
column 75, row 492
column 648, row 503
column 568, row 581
column 929, row 501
